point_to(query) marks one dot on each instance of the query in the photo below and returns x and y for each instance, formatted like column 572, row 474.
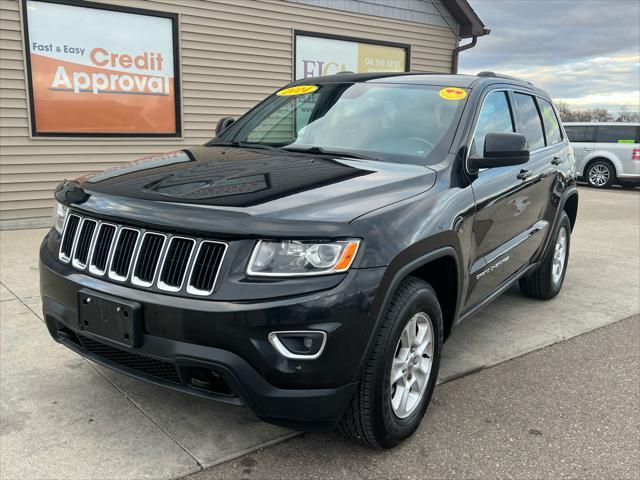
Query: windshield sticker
column 453, row 93
column 299, row 90
column 626, row 141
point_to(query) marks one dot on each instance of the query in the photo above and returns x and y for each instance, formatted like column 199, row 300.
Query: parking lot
column 62, row 416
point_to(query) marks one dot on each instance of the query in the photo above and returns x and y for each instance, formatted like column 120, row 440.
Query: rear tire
column 546, row 281
column 600, row 174
column 380, row 414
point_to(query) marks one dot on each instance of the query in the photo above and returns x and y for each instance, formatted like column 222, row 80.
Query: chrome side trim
column 134, row 279
column 196, row 291
column 168, row 288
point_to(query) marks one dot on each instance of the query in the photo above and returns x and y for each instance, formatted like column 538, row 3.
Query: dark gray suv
column 310, row 261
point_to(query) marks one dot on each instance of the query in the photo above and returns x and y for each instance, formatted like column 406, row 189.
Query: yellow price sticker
column 299, row 90
column 453, row 93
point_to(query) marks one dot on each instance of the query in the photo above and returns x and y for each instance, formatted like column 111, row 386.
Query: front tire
column 601, row 174
column 401, row 369
column 546, row 281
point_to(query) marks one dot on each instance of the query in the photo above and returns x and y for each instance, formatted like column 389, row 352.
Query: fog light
column 300, row 344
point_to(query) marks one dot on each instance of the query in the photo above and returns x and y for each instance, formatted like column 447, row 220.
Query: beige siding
column 233, row 54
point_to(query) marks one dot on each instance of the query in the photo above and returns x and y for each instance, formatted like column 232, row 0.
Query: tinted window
column 495, row 117
column 529, row 120
column 616, row 134
column 575, row 134
column 551, row 126
column 580, row 134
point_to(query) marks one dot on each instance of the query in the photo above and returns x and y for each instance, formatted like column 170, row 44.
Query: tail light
column 636, row 154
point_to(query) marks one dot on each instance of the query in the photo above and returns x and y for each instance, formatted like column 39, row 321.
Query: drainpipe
column 457, row 50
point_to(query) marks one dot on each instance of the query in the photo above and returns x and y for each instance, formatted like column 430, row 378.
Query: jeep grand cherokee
column 311, row 259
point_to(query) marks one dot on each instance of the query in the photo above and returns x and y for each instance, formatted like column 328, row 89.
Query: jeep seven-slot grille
column 148, row 259
column 69, row 235
column 203, row 275
column 85, row 237
column 123, row 254
column 143, row 258
column 148, row 366
column 175, row 263
column 106, row 233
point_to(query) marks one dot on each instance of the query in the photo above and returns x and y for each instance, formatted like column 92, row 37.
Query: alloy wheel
column 599, row 175
column 559, row 256
column 411, row 365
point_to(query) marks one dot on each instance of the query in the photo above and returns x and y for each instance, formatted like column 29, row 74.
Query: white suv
column 606, row 153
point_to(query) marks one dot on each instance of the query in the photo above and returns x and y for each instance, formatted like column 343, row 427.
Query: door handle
column 524, row 174
column 556, row 161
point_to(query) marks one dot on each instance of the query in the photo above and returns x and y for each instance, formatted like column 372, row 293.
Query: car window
column 580, row 134
column 617, row 134
column 575, row 134
column 495, row 117
column 529, row 120
column 401, row 123
column 551, row 125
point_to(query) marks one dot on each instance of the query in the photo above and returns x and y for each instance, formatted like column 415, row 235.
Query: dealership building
column 85, row 86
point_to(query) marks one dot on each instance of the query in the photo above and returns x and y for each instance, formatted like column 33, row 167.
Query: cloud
column 586, row 53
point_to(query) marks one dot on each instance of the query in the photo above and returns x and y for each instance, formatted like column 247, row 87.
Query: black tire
column 541, row 283
column 596, row 172
column 370, row 418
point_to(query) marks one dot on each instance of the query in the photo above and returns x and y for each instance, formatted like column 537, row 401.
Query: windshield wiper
column 332, row 153
column 312, row 150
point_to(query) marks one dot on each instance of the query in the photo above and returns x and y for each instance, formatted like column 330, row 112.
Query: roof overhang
column 470, row 23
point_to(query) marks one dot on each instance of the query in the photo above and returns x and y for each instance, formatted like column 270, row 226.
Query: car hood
column 261, row 183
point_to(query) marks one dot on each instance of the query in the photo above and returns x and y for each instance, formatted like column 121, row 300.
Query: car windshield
column 401, row 123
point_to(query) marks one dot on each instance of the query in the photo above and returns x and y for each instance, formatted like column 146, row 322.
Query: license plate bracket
column 109, row 317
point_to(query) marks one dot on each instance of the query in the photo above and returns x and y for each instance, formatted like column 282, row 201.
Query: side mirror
column 501, row 150
column 223, row 123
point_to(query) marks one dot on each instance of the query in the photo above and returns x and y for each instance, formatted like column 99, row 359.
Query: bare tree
column 600, row 115
column 625, row 115
column 583, row 115
column 567, row 114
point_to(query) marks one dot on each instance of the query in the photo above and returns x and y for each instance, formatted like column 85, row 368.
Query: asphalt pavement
column 570, row 410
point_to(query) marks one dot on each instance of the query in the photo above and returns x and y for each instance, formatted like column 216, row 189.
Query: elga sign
column 101, row 70
column 325, row 55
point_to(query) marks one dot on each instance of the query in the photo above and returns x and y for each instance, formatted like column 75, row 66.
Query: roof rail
column 499, row 75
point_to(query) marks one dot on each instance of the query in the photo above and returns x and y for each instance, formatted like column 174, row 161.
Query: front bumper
column 182, row 335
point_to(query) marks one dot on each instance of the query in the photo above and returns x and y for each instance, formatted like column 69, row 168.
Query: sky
column 583, row 52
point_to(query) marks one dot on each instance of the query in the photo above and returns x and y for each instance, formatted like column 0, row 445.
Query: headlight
column 59, row 216
column 292, row 258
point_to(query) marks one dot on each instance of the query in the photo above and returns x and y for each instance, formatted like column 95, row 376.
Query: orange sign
column 89, row 76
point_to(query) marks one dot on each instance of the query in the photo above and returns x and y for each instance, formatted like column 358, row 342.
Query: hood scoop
column 177, row 186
